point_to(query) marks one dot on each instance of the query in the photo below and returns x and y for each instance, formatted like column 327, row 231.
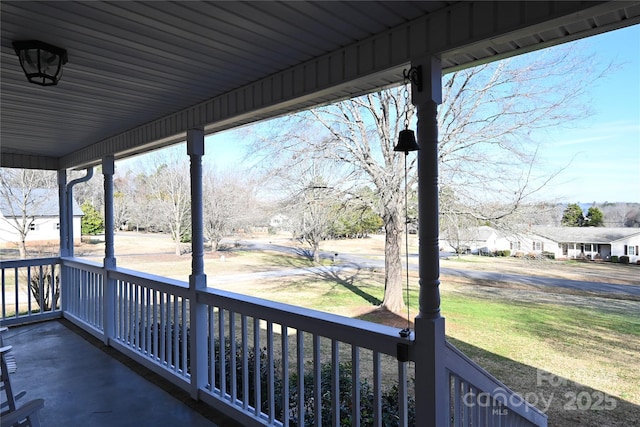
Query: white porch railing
column 267, row 363
column 479, row 399
column 30, row 290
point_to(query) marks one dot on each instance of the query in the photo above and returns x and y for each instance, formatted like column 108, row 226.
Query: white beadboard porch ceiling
column 141, row 73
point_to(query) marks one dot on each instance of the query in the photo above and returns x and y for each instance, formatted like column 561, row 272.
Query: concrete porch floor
column 85, row 383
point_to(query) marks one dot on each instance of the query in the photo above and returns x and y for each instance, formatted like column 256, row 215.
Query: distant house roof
column 600, row 235
column 42, row 202
column 479, row 234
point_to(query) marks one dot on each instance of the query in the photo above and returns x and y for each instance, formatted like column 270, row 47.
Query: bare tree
column 489, row 159
column 229, row 203
column 170, row 194
column 26, row 194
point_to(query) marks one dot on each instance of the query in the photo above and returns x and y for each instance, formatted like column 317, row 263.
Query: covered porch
column 146, row 75
column 87, row 383
column 303, row 356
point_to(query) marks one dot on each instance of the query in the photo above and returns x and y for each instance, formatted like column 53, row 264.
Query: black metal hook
column 414, row 75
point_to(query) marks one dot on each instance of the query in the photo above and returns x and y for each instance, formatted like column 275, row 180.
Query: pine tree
column 595, row 217
column 572, row 216
column 92, row 222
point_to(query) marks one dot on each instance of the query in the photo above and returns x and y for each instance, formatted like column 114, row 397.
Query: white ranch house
column 145, row 75
column 475, row 240
column 42, row 219
column 595, row 243
column 588, row 242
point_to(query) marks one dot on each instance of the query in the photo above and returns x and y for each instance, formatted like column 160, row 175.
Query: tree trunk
column 316, row 252
column 393, row 295
column 22, row 248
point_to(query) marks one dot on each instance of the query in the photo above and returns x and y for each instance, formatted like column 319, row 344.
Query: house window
column 565, row 249
column 632, row 250
column 537, row 246
column 515, row 246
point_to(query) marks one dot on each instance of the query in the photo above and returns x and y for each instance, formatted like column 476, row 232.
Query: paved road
column 355, row 261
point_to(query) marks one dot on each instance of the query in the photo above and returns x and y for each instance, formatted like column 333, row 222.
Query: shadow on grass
column 345, row 276
column 566, row 403
column 346, row 280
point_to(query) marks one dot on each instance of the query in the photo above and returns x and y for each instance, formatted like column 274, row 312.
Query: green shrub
column 548, row 255
column 390, row 408
column 503, row 253
column 624, row 259
column 614, row 258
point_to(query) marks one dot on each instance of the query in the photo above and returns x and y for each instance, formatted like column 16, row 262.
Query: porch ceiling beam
column 27, row 161
column 463, row 34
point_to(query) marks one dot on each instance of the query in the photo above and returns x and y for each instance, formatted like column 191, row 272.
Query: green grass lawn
column 588, row 344
column 586, row 348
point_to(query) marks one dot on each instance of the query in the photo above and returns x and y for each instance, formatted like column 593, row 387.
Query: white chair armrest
column 27, row 411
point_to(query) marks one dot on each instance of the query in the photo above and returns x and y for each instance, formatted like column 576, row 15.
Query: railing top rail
column 160, row 283
column 86, row 264
column 13, row 263
column 361, row 333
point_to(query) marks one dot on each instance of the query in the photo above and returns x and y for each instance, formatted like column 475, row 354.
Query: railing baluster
column 17, row 291
column 169, row 331
column 355, row 386
column 284, row 350
column 163, row 328
column 155, row 325
column 147, row 325
column 455, row 405
column 377, row 390
column 335, row 383
column 185, row 365
column 212, row 349
column 317, row 382
column 4, row 295
column 464, row 416
column 300, row 373
column 223, row 353
column 131, row 306
column 232, row 357
column 88, row 315
column 245, row 363
column 136, row 316
column 28, row 290
column 270, row 373
column 403, row 396
column 40, row 290
column 125, row 312
column 256, row 366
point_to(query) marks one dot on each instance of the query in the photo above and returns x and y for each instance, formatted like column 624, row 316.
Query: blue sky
column 602, row 151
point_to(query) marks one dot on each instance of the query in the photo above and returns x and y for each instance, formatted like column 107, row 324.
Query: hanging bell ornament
column 406, row 141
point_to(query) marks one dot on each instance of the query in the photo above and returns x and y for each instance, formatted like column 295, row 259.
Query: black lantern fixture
column 41, row 62
column 407, row 142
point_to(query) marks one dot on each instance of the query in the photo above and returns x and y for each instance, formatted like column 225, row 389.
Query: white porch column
column 63, row 217
column 109, row 262
column 431, row 379
column 63, row 214
column 108, row 169
column 197, row 279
